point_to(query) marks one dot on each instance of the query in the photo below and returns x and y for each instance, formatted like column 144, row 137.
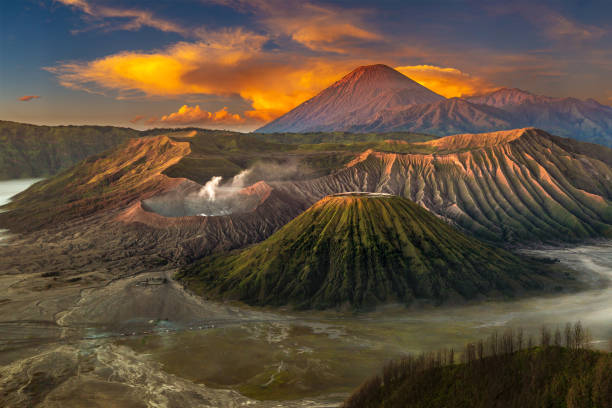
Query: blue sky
column 236, row 63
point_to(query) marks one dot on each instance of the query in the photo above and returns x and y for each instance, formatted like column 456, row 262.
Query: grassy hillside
column 41, row 151
column 363, row 249
column 510, row 374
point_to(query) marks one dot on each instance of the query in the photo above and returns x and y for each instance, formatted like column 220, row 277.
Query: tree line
column 506, row 369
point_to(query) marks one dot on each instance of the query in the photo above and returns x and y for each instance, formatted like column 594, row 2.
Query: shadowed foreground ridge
column 503, row 371
column 364, row 249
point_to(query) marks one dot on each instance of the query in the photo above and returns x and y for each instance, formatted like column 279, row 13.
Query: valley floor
column 109, row 334
column 141, row 340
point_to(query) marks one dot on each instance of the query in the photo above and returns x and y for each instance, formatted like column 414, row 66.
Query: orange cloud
column 233, row 62
column 230, row 62
column 448, row 82
column 193, row 115
column 27, row 98
column 136, row 119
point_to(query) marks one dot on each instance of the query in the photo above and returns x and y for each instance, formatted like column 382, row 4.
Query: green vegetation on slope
column 41, row 151
column 497, row 373
column 363, row 249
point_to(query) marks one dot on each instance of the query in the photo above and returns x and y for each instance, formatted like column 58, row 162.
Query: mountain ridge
column 394, row 105
column 512, row 186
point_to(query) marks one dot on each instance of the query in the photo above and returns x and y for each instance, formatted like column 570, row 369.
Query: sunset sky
column 236, row 64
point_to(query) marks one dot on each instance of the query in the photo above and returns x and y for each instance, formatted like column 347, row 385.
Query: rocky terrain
column 376, row 98
column 569, row 117
column 31, row 151
column 509, row 187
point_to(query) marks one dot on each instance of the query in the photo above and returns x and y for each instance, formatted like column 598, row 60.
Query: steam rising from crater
column 218, row 196
column 223, row 199
column 210, row 188
column 239, row 180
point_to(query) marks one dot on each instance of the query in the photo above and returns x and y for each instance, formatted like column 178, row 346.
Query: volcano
column 363, row 249
column 377, row 98
column 354, row 100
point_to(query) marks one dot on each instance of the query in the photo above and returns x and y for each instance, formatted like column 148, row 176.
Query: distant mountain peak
column 378, row 76
column 354, row 99
column 511, row 90
column 380, row 70
column 377, row 98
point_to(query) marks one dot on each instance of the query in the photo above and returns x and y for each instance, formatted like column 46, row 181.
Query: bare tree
column 569, row 335
column 545, row 337
column 557, row 339
column 578, row 335
column 480, row 349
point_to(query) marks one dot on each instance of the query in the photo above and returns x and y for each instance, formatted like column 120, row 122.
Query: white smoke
column 210, row 188
column 223, row 198
column 239, row 180
column 213, row 187
column 218, row 197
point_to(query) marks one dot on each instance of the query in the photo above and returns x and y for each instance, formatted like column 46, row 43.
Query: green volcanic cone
column 365, row 249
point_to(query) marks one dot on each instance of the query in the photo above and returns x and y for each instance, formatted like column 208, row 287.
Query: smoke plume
column 222, row 197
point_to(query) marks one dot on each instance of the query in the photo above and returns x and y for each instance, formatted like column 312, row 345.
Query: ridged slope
column 503, row 97
column 99, row 183
column 364, row 249
column 515, row 186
